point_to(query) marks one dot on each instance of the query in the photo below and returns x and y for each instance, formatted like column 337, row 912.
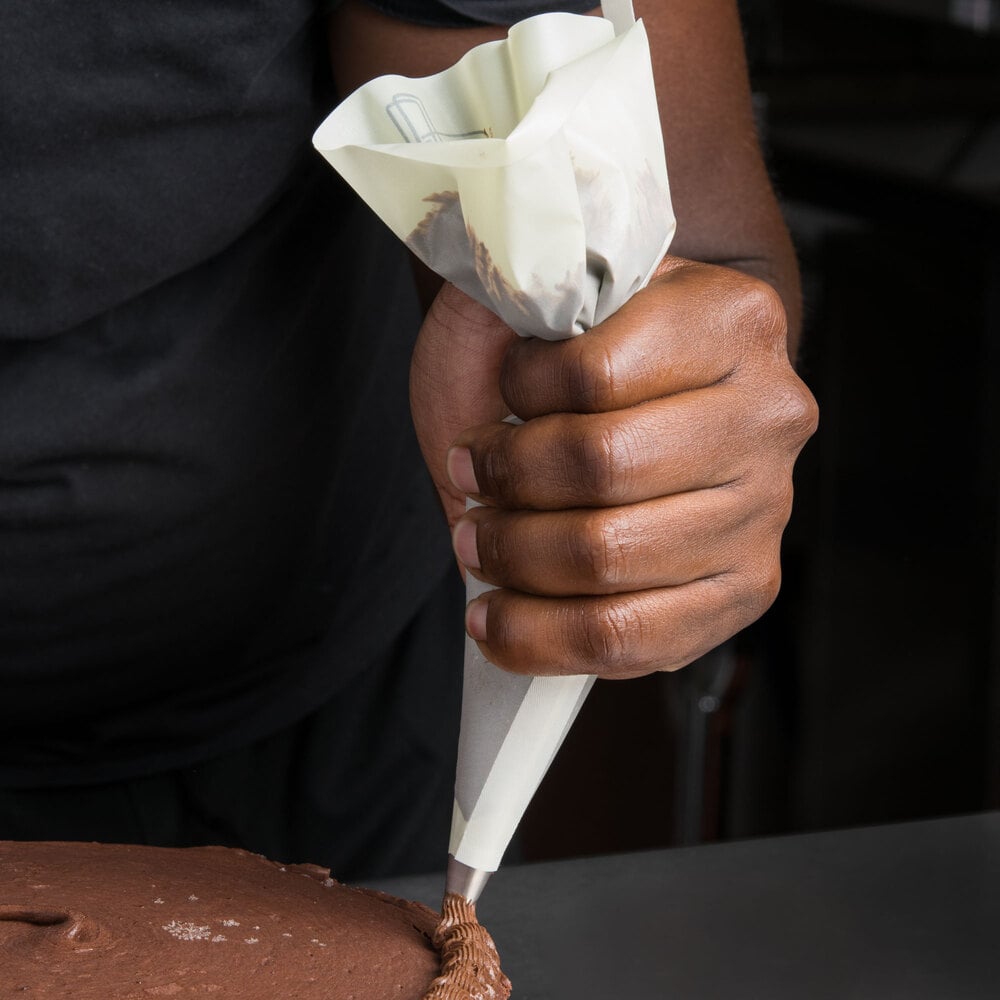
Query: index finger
column 688, row 329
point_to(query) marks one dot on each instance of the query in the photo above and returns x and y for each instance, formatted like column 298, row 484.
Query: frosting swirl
column 470, row 966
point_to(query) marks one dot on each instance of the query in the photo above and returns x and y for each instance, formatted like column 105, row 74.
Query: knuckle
column 800, row 411
column 608, row 636
column 761, row 308
column 598, row 554
column 600, row 462
column 745, row 594
column 503, row 630
column 779, row 501
column 494, row 548
column 495, row 465
column 589, row 377
column 790, row 413
column 763, row 589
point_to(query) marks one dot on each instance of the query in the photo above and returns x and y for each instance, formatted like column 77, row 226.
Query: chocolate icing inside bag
column 530, row 174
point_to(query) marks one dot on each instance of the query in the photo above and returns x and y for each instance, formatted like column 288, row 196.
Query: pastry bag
column 531, row 175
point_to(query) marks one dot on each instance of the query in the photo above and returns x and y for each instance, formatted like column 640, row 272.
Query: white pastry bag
column 531, row 175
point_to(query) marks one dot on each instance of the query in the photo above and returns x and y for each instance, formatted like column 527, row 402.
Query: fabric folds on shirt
column 212, row 505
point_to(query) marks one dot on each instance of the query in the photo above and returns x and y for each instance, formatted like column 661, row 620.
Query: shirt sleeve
column 462, row 13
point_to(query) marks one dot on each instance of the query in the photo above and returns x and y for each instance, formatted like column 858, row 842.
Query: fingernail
column 475, row 619
column 461, row 471
column 463, row 540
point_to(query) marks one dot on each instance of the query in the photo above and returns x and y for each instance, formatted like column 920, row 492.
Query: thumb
column 455, row 381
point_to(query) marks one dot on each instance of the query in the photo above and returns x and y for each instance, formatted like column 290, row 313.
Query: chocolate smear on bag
column 448, row 245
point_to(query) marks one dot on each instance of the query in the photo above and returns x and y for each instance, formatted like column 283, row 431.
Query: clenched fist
column 634, row 520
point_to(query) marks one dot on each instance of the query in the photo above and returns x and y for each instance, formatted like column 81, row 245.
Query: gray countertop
column 908, row 911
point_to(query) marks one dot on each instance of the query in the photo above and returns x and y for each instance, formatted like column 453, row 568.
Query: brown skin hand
column 634, row 521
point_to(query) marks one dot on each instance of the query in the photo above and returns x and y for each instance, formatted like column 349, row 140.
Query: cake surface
column 122, row 922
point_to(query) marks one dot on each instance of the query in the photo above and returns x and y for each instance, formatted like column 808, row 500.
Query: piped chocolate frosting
column 470, row 966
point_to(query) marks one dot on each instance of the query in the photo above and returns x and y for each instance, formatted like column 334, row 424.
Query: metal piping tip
column 465, row 881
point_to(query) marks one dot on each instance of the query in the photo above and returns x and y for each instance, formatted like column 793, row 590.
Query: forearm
column 727, row 212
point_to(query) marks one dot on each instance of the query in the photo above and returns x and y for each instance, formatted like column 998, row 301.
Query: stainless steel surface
column 465, row 881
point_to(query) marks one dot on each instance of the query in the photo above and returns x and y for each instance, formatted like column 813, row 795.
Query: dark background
column 870, row 693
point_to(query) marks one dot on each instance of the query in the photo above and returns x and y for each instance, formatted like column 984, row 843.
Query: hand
column 633, row 522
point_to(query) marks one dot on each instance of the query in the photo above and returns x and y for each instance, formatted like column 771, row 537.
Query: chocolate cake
column 116, row 922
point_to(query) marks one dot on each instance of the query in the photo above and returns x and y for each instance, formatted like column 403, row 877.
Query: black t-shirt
column 212, row 507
